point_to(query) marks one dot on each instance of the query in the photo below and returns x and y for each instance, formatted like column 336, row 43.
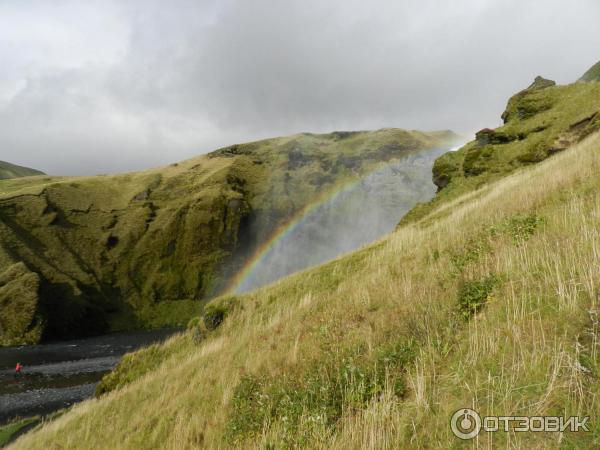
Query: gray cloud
column 104, row 86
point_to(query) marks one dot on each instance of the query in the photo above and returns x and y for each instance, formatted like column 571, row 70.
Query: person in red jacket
column 18, row 369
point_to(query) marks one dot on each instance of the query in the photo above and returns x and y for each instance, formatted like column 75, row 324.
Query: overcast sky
column 112, row 85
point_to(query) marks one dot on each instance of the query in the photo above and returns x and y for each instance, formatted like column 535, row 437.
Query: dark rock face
column 485, row 136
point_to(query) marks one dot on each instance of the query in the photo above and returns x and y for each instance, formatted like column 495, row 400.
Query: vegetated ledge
column 539, row 121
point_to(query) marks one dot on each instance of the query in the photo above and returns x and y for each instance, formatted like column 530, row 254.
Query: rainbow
column 288, row 227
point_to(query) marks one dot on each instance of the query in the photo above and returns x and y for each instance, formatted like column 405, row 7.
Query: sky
column 106, row 86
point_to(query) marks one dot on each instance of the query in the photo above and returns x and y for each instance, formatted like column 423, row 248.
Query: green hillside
column 91, row 254
column 8, row 170
column 593, row 74
column 487, row 298
column 539, row 121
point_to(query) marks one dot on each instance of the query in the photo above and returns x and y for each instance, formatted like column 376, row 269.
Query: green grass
column 345, row 380
column 593, row 74
column 135, row 365
column 20, row 321
column 7, row 432
column 473, row 295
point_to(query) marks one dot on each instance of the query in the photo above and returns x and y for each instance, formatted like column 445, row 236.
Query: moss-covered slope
column 8, row 170
column 539, row 121
column 20, row 322
column 143, row 249
column 593, row 74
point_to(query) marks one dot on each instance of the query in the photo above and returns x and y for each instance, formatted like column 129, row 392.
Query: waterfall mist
column 355, row 216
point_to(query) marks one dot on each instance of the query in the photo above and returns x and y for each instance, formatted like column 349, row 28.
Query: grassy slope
column 8, row 170
column 539, row 121
column 10, row 431
column 142, row 249
column 20, row 322
column 493, row 305
column 593, row 74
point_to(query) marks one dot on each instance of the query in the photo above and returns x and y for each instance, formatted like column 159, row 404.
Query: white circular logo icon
column 465, row 423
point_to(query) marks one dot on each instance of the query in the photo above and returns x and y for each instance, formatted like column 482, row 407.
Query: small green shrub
column 322, row 394
column 215, row 312
column 534, row 154
column 474, row 249
column 520, row 228
column 473, row 295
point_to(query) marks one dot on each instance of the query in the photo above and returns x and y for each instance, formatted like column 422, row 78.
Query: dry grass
column 531, row 350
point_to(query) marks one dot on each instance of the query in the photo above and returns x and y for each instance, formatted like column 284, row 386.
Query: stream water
column 59, row 374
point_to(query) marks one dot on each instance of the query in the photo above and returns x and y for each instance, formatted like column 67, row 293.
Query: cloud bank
column 106, row 86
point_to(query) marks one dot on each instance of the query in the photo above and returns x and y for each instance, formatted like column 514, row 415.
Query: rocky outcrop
column 523, row 105
column 540, row 83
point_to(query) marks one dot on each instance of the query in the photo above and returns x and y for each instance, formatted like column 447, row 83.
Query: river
column 58, row 374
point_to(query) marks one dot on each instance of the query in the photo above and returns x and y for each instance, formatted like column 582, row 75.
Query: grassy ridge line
column 593, row 74
column 529, row 347
column 8, row 170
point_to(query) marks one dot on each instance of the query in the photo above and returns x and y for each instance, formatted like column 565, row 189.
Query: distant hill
column 8, row 170
column 593, row 74
column 90, row 254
